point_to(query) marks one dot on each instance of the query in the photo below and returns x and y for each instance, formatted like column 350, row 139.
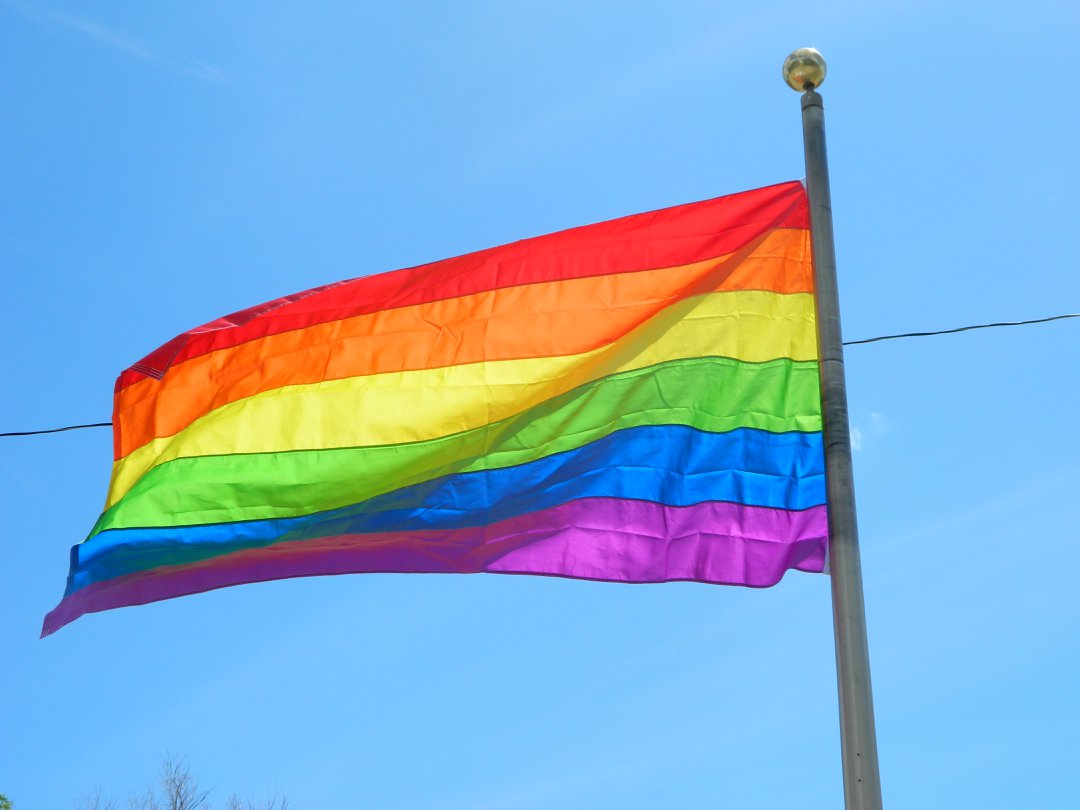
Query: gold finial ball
column 805, row 66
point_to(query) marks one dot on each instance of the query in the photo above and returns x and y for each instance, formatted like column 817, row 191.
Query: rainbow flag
column 632, row 401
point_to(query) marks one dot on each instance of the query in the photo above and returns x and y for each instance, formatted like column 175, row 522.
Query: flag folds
column 635, row 401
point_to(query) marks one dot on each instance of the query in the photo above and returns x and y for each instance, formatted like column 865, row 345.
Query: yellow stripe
column 412, row 406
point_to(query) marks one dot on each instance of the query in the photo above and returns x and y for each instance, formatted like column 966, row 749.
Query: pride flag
column 635, row 401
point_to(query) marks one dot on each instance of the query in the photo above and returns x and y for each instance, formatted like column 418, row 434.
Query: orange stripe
column 537, row 320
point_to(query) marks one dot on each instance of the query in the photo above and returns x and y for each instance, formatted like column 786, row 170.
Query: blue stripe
column 669, row 464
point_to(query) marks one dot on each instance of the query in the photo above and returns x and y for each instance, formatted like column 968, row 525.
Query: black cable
column 56, row 430
column 846, row 343
column 960, row 329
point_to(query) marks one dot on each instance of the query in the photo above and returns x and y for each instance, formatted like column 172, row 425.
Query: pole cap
column 804, row 69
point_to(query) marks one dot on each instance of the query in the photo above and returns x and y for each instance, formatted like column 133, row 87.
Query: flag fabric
column 636, row 401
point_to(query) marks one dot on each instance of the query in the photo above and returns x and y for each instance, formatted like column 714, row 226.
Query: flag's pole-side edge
column 804, row 70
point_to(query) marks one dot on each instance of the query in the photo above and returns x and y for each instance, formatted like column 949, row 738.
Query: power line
column 846, row 343
column 56, row 430
column 960, row 329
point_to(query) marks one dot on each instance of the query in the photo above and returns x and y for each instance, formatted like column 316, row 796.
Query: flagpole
column 804, row 70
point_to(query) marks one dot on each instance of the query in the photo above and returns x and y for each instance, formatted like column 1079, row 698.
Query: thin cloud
column 856, row 438
column 129, row 45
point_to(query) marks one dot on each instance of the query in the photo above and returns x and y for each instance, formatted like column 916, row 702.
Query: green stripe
column 711, row 393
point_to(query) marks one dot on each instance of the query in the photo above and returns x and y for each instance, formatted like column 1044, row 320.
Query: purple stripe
column 593, row 538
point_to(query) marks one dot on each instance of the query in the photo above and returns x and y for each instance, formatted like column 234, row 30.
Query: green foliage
column 5, row 802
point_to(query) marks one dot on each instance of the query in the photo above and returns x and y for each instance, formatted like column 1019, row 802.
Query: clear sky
column 162, row 164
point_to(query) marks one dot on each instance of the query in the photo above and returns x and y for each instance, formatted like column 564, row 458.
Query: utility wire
column 55, row 430
column 960, row 329
column 846, row 343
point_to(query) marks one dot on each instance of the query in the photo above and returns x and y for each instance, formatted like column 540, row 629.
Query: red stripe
column 664, row 238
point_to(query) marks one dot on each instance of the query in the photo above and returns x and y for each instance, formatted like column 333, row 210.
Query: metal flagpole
column 804, row 71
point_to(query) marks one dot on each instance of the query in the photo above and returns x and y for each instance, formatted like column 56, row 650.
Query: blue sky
column 167, row 163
